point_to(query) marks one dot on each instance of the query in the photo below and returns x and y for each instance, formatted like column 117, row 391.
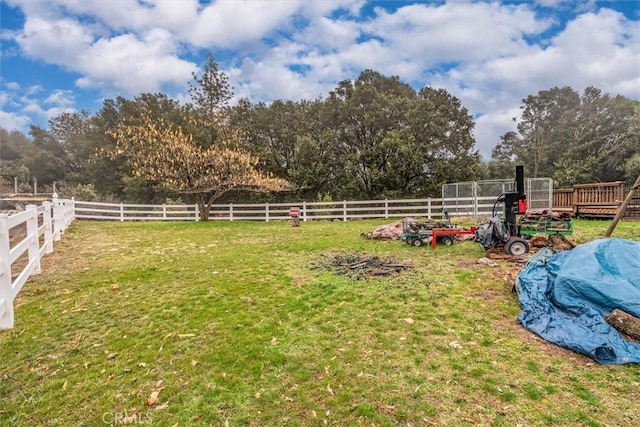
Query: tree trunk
column 625, row 323
column 203, row 208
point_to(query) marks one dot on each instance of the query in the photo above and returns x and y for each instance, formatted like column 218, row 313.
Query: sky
column 69, row 55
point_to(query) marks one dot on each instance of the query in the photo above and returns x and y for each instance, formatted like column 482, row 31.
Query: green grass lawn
column 232, row 323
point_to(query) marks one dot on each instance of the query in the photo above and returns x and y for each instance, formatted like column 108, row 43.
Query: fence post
column 266, row 211
column 474, row 192
column 230, row 211
column 195, row 207
column 56, row 217
column 48, row 228
column 72, row 212
column 6, row 293
column 429, row 208
column 121, row 212
column 344, row 210
column 304, row 211
column 68, row 211
column 164, row 211
column 386, row 208
column 34, row 238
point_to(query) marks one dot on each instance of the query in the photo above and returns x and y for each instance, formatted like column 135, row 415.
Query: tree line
column 372, row 137
column 574, row 138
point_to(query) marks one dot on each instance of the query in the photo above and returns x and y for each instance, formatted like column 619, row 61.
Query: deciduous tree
column 165, row 154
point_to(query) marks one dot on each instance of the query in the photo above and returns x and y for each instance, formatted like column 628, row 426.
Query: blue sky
column 66, row 55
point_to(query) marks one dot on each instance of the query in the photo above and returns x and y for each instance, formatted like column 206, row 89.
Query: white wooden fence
column 341, row 210
column 36, row 229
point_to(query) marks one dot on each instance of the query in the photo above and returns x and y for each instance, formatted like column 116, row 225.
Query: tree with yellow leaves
column 202, row 157
column 165, row 154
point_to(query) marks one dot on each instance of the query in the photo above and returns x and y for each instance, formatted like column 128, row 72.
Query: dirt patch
column 359, row 266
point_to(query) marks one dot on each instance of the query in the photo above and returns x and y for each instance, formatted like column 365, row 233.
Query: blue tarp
column 565, row 297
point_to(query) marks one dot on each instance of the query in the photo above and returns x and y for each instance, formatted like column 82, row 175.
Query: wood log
column 539, row 241
column 626, row 323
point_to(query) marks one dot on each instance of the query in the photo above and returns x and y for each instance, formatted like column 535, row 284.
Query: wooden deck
column 601, row 199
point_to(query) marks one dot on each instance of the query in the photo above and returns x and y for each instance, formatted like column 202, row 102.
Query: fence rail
column 335, row 210
column 134, row 212
column 34, row 230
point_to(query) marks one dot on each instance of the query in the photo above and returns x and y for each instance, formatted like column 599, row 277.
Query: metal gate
column 478, row 198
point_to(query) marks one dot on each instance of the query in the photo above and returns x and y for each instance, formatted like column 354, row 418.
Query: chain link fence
column 478, row 198
column 6, row 186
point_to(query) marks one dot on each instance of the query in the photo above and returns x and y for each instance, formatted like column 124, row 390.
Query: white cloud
column 55, row 106
column 601, row 50
column 54, row 41
column 133, row 65
column 119, row 15
column 229, row 24
column 489, row 54
column 581, row 6
column 328, row 34
column 11, row 121
column 270, row 80
column 60, row 98
column 490, row 126
column 12, row 86
column 128, row 62
column 454, row 32
column 21, row 108
column 326, row 7
column 34, row 89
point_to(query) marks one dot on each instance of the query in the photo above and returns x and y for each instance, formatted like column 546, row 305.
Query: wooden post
column 475, row 200
column 48, row 228
column 623, row 208
column 6, row 293
column 57, row 217
column 33, row 237
column 72, row 213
